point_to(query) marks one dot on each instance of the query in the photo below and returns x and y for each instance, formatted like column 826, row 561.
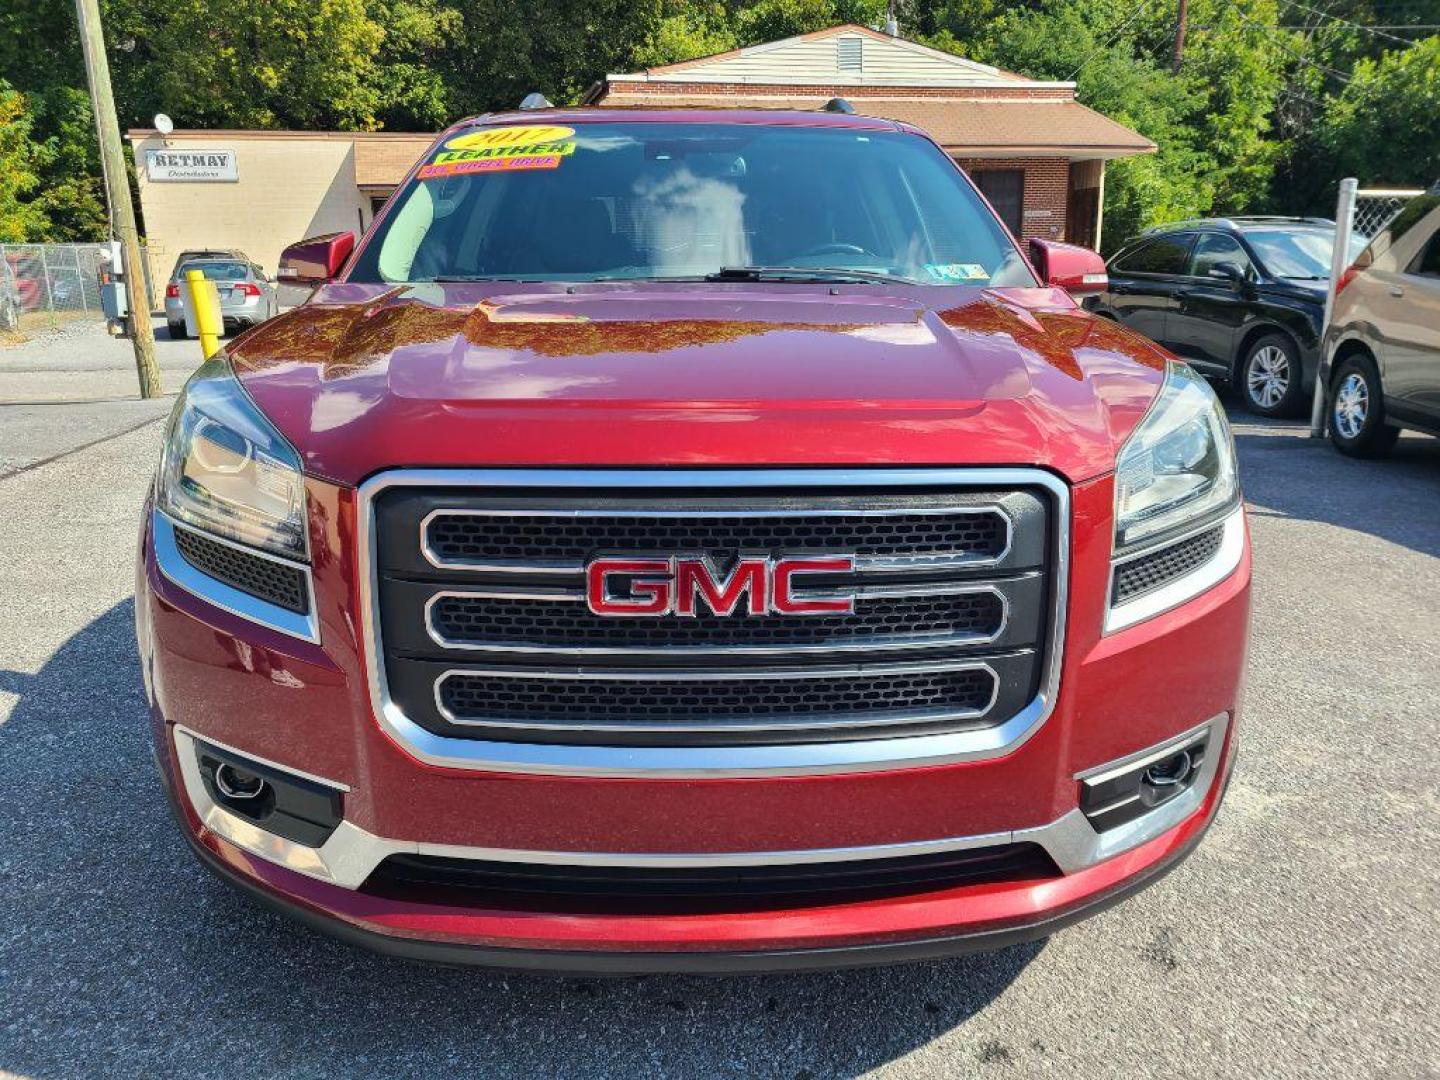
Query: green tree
column 770, row 20
column 20, row 220
column 1384, row 127
column 417, row 36
column 557, row 47
column 686, row 30
column 215, row 63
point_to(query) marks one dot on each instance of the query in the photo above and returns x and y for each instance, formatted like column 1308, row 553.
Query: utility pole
column 117, row 191
column 1182, row 16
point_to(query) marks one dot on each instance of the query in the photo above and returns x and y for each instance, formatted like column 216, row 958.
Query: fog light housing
column 279, row 802
column 1116, row 796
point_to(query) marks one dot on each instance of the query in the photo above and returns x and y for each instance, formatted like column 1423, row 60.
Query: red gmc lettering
column 696, row 577
column 782, row 598
column 678, row 585
column 648, row 596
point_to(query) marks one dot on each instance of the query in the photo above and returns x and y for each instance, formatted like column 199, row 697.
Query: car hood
column 363, row 378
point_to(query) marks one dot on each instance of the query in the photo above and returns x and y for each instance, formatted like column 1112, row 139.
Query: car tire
column 1270, row 382
column 1356, row 413
column 177, row 331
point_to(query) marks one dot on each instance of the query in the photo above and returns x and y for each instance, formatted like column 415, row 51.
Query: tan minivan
column 1384, row 337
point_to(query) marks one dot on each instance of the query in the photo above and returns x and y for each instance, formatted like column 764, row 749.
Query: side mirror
column 1068, row 266
column 1227, row 271
column 316, row 260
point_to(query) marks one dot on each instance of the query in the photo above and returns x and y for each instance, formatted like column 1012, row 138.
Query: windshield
column 1298, row 253
column 218, row 271
column 652, row 201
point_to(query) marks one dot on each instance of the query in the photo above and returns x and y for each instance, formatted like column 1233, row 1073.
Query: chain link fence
column 1376, row 207
column 44, row 285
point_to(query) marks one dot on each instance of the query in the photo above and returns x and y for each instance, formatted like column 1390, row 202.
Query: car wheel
column 1270, row 377
column 1357, row 410
column 177, row 330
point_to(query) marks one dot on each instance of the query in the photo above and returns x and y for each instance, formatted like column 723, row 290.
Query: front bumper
column 306, row 709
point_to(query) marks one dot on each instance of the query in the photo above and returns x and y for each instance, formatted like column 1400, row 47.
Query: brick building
column 1036, row 152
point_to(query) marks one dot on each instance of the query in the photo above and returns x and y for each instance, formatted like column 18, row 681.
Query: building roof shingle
column 1014, row 127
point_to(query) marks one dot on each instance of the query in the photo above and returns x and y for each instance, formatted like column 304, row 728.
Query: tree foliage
column 1383, row 125
column 20, row 218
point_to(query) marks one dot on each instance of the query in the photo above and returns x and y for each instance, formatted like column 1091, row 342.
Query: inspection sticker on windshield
column 506, row 149
column 957, row 271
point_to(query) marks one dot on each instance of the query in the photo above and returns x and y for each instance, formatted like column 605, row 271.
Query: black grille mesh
column 642, row 889
column 1150, row 572
column 273, row 582
column 463, row 538
column 620, row 702
column 472, row 620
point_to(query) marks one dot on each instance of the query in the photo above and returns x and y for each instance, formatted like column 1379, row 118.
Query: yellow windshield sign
column 520, row 137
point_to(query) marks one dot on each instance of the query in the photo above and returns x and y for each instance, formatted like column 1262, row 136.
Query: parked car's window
column 1164, row 255
column 1413, row 213
column 218, row 271
column 1428, row 264
column 1214, row 248
column 1301, row 254
column 629, row 201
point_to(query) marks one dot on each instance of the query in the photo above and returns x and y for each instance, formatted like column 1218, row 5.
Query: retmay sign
column 169, row 166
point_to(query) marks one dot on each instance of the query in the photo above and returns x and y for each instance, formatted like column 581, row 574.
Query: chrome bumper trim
column 864, row 755
column 351, row 853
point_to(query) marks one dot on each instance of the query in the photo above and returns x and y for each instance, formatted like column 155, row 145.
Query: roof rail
column 536, row 100
column 838, row 105
column 1235, row 222
column 1188, row 223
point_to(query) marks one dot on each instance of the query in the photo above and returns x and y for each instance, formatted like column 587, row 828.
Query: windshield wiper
column 804, row 273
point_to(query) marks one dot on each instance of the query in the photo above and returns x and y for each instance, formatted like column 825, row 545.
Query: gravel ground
column 1299, row 940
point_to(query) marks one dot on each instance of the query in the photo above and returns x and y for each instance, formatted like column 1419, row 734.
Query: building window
column 849, row 53
column 1005, row 188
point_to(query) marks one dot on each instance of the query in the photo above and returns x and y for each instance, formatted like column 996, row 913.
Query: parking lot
column 1299, row 940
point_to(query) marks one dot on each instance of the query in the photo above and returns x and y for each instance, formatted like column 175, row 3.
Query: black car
column 1242, row 299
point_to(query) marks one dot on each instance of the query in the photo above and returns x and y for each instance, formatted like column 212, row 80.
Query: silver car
column 1384, row 337
column 247, row 296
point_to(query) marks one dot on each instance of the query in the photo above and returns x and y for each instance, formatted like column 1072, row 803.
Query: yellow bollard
column 205, row 302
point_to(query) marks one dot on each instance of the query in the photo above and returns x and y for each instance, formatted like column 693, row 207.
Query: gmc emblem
column 678, row 585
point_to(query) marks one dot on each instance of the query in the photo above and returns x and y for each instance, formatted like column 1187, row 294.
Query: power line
column 1358, row 26
column 1114, row 36
column 1345, row 79
column 1311, row 26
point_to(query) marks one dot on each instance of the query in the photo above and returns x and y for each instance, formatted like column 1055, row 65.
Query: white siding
column 816, row 60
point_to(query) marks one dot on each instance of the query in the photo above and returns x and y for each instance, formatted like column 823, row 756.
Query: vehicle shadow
column 1286, row 473
column 120, row 955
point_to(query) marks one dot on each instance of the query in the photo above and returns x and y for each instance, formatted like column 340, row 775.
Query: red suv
column 692, row 541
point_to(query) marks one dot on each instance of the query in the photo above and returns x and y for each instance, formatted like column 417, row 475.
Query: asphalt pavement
column 1299, row 940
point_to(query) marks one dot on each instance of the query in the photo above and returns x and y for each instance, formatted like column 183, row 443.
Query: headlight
column 226, row 470
column 1177, row 469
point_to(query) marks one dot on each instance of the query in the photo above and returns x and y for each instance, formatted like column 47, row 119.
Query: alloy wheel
column 1268, row 378
column 1352, row 406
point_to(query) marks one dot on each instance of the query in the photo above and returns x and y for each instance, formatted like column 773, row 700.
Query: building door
column 1080, row 216
column 1005, row 188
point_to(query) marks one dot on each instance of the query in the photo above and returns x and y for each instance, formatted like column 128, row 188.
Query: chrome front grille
column 913, row 616
column 485, row 633
column 883, row 532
